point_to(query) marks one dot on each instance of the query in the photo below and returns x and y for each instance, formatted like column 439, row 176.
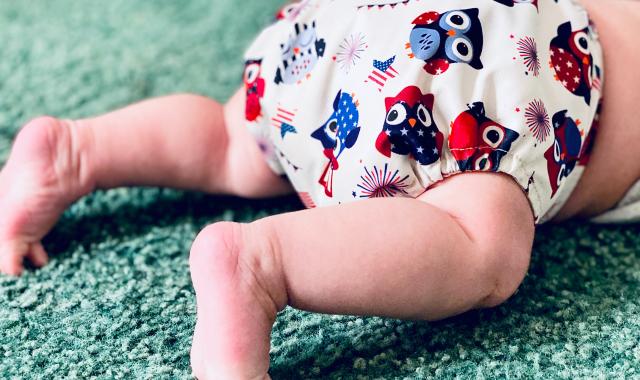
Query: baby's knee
column 216, row 248
column 243, row 251
column 507, row 265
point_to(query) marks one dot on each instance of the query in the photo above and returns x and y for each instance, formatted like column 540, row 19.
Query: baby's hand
column 40, row 179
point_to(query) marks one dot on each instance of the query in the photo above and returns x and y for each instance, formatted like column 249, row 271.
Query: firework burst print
column 528, row 50
column 379, row 183
column 538, row 120
column 350, row 52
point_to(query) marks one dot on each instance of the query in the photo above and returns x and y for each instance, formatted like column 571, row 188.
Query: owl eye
column 251, row 73
column 483, row 162
column 561, row 174
column 581, row 41
column 397, row 114
column 458, row 20
column 493, row 136
column 462, row 49
column 423, row 115
column 557, row 151
column 332, row 125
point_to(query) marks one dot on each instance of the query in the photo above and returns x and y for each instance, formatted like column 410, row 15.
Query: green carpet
column 116, row 300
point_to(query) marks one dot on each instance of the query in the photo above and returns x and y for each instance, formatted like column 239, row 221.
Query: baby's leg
column 456, row 250
column 181, row 141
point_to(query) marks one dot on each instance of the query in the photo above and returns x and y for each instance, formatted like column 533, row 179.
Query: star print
column 557, row 68
column 439, row 71
column 404, row 131
column 420, row 150
column 388, row 132
column 569, row 64
column 393, row 146
column 564, row 83
column 350, row 116
column 420, row 132
column 435, row 151
column 576, row 79
column 344, row 103
column 433, row 134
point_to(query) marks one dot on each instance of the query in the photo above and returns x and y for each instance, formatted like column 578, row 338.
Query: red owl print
column 254, row 87
column 563, row 155
column 572, row 61
column 477, row 142
column 409, row 128
column 587, row 146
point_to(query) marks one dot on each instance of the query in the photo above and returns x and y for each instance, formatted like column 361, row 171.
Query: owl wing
column 553, row 169
column 463, row 140
column 424, row 42
column 568, row 69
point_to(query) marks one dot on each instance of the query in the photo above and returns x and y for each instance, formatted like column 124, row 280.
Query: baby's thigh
column 248, row 173
column 495, row 213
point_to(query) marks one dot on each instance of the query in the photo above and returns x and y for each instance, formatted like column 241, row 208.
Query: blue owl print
column 300, row 54
column 443, row 39
column 338, row 133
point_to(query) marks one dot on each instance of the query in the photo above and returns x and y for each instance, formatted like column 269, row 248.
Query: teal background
column 116, row 300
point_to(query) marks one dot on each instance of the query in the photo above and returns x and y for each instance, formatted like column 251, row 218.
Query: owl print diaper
column 355, row 99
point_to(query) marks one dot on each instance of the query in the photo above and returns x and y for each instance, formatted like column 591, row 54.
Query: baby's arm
column 179, row 141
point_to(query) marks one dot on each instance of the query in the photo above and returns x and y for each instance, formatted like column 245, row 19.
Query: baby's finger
column 11, row 255
column 37, row 255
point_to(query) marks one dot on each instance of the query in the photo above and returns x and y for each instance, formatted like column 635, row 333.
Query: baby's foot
column 235, row 312
column 44, row 174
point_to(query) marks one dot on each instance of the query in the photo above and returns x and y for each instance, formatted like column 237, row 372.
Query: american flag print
column 382, row 71
column 287, row 128
column 282, row 116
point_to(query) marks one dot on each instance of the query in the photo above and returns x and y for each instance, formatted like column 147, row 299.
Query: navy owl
column 563, row 155
column 409, row 128
column 572, row 61
column 299, row 54
column 338, row 133
column 444, row 39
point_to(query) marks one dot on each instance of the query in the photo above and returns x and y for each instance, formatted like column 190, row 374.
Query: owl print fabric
column 356, row 99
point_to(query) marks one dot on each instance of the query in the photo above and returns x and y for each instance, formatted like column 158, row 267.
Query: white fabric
column 339, row 42
column 626, row 211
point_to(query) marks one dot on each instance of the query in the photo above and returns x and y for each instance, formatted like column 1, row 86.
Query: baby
column 427, row 139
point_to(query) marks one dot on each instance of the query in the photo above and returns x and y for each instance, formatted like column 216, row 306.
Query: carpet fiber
column 116, row 300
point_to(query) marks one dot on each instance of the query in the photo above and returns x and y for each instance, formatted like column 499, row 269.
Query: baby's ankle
column 61, row 146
